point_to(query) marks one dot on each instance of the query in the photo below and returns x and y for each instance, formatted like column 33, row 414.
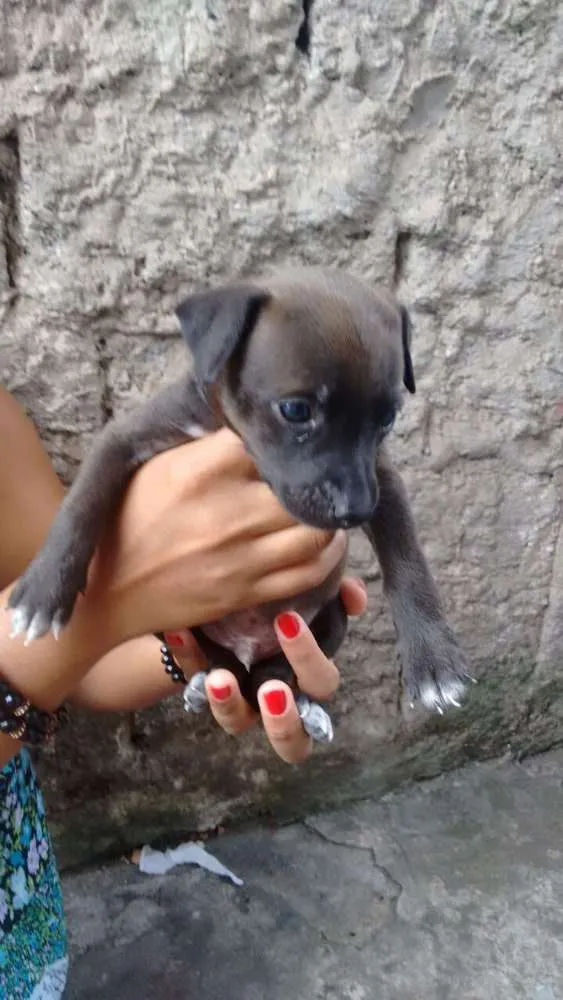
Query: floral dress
column 33, row 948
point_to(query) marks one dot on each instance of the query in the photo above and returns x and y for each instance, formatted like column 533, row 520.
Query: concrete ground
column 450, row 890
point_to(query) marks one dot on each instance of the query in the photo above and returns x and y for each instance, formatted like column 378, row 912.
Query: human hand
column 317, row 677
column 200, row 536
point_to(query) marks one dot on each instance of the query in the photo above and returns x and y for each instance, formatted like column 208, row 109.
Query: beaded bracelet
column 172, row 668
column 20, row 720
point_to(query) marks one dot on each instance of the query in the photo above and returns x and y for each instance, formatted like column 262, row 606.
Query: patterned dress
column 33, row 947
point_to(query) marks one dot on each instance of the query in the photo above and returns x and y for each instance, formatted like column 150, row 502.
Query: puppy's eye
column 296, row 411
column 387, row 421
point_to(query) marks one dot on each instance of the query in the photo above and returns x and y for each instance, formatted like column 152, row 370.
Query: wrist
column 47, row 670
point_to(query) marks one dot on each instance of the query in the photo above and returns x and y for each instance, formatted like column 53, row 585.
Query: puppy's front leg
column 44, row 597
column 434, row 667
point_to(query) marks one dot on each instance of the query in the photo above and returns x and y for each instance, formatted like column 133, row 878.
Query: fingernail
column 221, row 693
column 362, row 585
column 276, row 702
column 288, row 625
column 175, row 639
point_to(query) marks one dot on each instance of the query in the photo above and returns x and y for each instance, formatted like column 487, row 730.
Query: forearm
column 47, row 671
column 127, row 679
column 30, row 491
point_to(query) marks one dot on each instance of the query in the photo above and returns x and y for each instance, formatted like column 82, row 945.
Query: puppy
column 307, row 366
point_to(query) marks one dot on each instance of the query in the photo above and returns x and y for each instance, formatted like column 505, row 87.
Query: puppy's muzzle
column 330, row 505
column 353, row 501
column 352, row 517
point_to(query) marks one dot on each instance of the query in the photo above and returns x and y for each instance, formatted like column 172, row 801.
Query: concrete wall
column 149, row 147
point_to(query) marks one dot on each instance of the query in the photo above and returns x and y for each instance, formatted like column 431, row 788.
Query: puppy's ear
column 215, row 323
column 408, row 371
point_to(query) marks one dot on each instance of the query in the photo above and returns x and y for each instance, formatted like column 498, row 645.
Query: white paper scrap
column 159, row 862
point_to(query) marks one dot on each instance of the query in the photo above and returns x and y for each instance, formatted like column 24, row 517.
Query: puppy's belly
column 250, row 634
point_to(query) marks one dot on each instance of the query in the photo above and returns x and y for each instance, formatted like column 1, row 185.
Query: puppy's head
column 308, row 368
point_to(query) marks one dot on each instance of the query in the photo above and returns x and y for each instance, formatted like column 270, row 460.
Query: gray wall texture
column 147, row 148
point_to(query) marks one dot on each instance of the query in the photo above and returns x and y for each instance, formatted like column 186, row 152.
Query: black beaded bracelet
column 20, row 720
column 172, row 668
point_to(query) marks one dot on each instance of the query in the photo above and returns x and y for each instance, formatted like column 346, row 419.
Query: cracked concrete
column 448, row 890
column 10, row 247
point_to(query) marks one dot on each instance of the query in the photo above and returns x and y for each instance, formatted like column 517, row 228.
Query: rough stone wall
column 147, row 148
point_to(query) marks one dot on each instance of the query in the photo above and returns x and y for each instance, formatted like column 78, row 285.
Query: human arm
column 125, row 679
column 235, row 553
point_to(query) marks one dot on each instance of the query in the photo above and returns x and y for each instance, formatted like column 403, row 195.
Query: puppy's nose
column 353, row 515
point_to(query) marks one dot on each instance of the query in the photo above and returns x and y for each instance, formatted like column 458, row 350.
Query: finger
column 282, row 724
column 354, row 595
column 224, row 446
column 220, row 453
column 251, row 511
column 294, row 580
column 294, row 546
column 227, row 704
column 186, row 651
column 317, row 676
column 259, row 511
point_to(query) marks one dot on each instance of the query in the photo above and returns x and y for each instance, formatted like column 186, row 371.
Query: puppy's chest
column 250, row 634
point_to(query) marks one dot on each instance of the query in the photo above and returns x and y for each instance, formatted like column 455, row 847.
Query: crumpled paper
column 153, row 862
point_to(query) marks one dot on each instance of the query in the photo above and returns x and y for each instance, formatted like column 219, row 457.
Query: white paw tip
column 19, row 622
column 193, row 706
column 303, row 705
column 38, row 626
column 452, row 692
column 430, row 696
column 438, row 697
column 195, row 694
column 316, row 720
column 57, row 625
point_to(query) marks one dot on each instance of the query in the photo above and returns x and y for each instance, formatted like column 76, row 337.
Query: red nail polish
column 276, row 702
column 288, row 625
column 221, row 693
column 175, row 639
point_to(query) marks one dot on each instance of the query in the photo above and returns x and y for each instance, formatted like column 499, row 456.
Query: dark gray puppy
column 307, row 366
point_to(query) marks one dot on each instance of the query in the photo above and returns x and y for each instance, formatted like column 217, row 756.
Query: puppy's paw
column 43, row 599
column 195, row 694
column 441, row 692
column 435, row 669
column 316, row 720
